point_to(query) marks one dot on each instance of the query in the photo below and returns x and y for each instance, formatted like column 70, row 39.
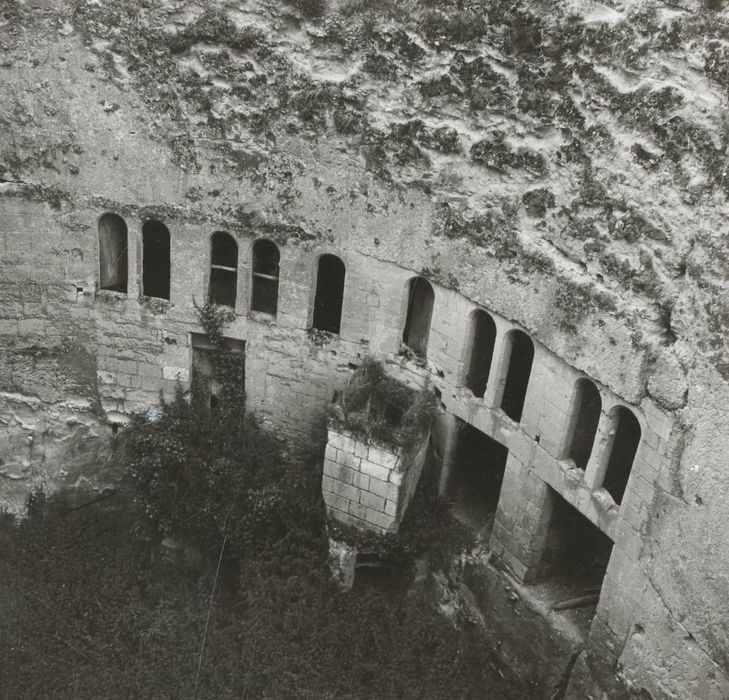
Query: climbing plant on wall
column 204, row 474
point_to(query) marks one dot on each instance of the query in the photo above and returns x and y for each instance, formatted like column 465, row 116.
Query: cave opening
column 474, row 483
column 575, row 558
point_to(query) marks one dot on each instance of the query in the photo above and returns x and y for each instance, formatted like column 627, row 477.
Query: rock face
column 564, row 169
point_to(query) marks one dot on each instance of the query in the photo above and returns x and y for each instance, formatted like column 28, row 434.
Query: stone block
column 383, row 488
column 645, row 491
column 331, row 452
column 146, row 369
column 386, row 522
column 349, row 492
column 382, row 457
column 341, row 473
column 396, row 477
column 372, row 501
column 331, row 468
column 8, row 327
column 327, row 483
column 348, row 459
column 334, row 500
column 31, row 326
column 391, row 508
column 341, row 442
column 361, row 481
column 361, row 449
column 349, row 519
column 358, row 510
column 375, row 470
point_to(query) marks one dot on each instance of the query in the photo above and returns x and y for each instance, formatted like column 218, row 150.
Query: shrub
column 377, row 407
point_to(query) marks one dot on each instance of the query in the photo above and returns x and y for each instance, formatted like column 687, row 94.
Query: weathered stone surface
column 668, row 383
column 619, row 117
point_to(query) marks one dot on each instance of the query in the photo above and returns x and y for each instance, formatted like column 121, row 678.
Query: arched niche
column 520, row 349
column 113, row 253
column 481, row 340
column 585, row 419
column 419, row 312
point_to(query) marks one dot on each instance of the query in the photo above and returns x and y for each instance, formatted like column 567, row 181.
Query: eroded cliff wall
column 563, row 165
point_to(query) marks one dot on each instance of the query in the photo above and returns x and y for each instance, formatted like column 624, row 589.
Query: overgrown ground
column 91, row 606
column 82, row 615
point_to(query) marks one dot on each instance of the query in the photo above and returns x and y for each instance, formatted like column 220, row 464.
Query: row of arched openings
column 223, row 279
column 327, row 315
column 624, row 432
column 114, row 254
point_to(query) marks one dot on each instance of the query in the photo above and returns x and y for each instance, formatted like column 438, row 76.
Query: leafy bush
column 377, row 407
column 88, row 612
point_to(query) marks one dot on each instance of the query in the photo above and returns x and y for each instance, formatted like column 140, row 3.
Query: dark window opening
column 393, row 413
column 483, row 337
column 155, row 260
column 474, row 483
column 206, row 384
column 329, row 294
column 113, row 264
column 264, row 295
column 625, row 445
column 586, row 419
column 420, row 311
column 223, row 269
column 575, row 559
column 521, row 356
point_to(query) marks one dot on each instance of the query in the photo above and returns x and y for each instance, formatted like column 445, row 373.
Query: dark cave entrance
column 575, row 557
column 474, row 484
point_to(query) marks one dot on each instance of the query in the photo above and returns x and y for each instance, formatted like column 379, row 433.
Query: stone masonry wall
column 621, row 278
column 364, row 485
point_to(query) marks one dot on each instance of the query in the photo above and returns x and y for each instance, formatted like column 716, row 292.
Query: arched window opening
column 420, row 310
column 585, row 420
column 113, row 245
column 625, row 445
column 223, row 269
column 264, row 295
column 155, row 260
column 483, row 337
column 329, row 294
column 517, row 375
